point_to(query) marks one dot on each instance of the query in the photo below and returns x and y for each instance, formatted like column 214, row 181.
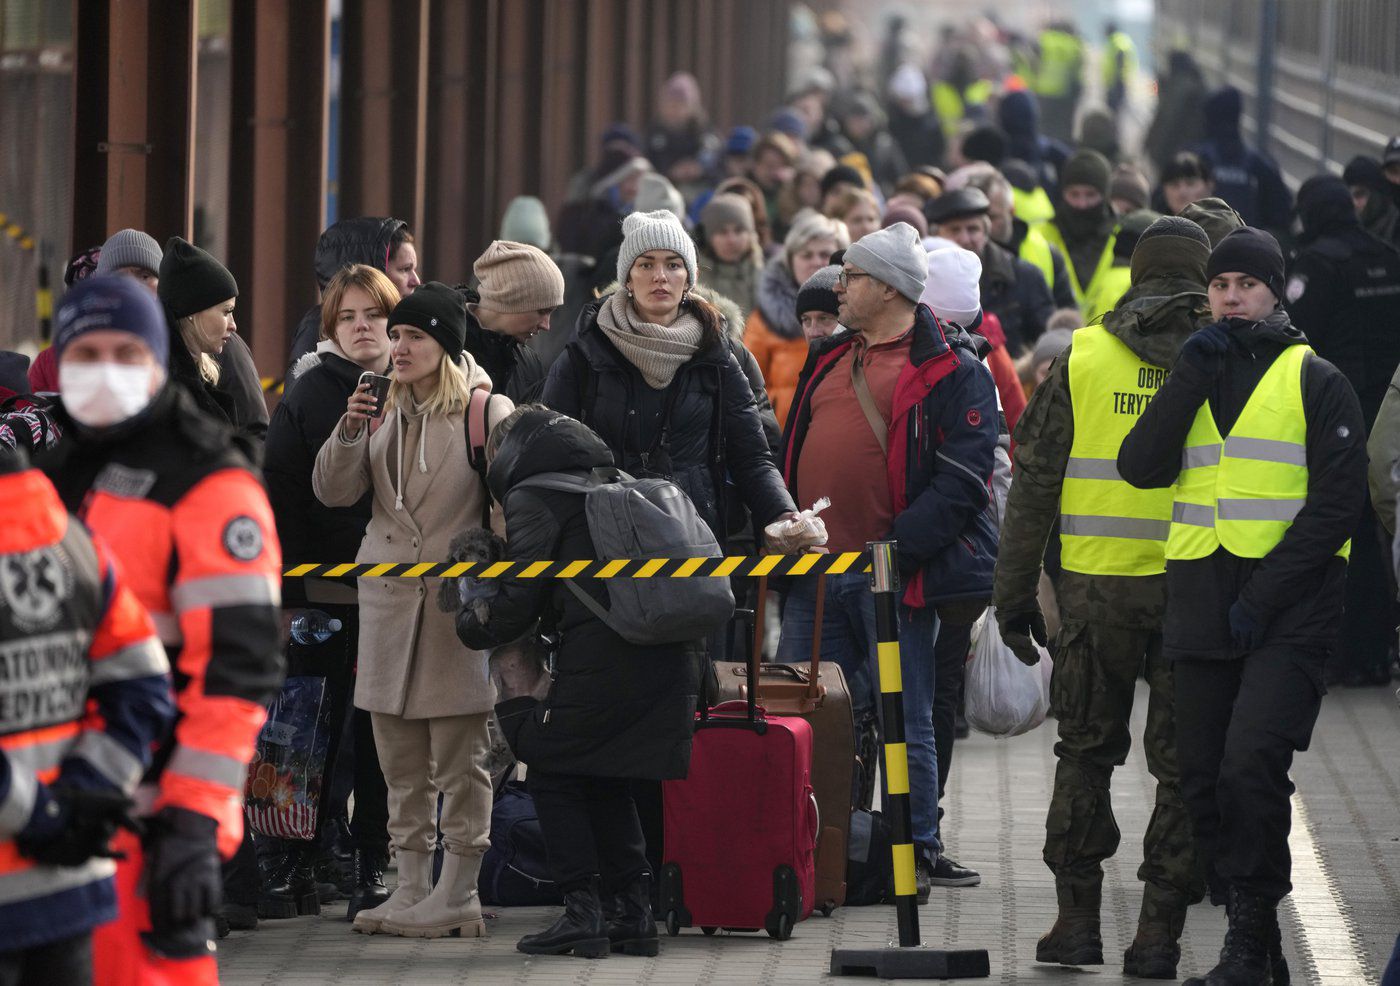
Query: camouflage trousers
column 1096, row 670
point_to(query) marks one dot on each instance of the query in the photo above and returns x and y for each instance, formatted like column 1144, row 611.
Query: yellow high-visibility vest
column 1061, row 63
column 1107, row 290
column 953, row 105
column 1119, row 44
column 1051, row 232
column 1036, row 252
column 1032, row 207
column 1242, row 492
column 1108, row 527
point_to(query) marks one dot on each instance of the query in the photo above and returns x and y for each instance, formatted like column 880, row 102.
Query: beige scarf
column 657, row 351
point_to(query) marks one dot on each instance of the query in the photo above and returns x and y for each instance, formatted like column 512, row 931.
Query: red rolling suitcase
column 741, row 828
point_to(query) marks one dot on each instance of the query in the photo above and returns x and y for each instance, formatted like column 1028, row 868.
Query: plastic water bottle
column 311, row 626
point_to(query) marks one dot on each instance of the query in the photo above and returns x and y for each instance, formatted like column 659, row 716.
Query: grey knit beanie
column 660, row 230
column 129, row 248
column 895, row 256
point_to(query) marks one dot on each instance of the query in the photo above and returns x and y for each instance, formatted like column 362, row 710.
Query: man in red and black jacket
column 176, row 499
column 896, row 421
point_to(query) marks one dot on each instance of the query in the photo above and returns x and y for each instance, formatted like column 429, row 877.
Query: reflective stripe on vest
column 1051, row 232
column 1108, row 527
column 1242, row 492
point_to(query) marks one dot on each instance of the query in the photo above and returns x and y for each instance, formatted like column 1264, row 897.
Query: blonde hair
column 370, row 280
column 451, row 392
column 206, row 365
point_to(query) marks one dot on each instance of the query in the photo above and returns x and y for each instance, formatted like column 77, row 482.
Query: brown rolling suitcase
column 818, row 693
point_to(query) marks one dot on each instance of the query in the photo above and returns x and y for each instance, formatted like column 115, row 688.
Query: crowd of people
column 1091, row 397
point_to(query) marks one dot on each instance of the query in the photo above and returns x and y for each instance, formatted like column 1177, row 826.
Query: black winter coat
column 1343, row 291
column 615, row 709
column 365, row 240
column 515, row 369
column 718, row 450
column 1297, row 589
column 1016, row 293
column 309, row 530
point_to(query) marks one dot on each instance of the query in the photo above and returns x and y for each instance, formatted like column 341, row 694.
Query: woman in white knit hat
column 651, row 374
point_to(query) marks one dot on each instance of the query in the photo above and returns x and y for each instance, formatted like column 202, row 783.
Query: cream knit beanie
column 517, row 277
column 660, row 230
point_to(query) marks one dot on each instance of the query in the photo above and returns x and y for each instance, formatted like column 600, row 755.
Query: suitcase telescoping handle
column 814, row 686
column 760, row 606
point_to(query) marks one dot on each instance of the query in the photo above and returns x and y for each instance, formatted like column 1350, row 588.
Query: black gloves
column 71, row 825
column 183, row 883
column 1018, row 630
column 1205, row 347
column 1247, row 631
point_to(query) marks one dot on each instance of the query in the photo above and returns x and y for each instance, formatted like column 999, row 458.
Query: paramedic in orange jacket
column 84, row 696
column 177, row 500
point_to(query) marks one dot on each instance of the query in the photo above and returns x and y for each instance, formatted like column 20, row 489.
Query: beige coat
column 411, row 663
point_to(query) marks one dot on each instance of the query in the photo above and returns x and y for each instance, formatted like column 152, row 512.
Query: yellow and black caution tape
column 741, row 566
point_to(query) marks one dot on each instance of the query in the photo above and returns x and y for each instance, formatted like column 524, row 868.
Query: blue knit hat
column 116, row 303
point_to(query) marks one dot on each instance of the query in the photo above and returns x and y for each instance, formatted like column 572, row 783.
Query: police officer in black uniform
column 1343, row 292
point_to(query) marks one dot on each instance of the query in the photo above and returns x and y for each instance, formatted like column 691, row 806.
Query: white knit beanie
column 952, row 289
column 660, row 230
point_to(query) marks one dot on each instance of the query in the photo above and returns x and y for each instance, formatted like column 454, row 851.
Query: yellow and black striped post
column 884, row 583
column 910, row 960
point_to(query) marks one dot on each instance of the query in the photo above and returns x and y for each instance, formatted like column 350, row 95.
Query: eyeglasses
column 844, row 278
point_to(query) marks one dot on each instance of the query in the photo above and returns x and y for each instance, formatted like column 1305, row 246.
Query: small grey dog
column 479, row 545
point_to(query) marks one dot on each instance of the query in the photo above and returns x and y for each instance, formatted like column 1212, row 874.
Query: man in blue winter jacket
column 896, row 420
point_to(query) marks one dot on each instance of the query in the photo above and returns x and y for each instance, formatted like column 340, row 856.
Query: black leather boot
column 631, row 926
column 580, row 929
column 290, row 889
column 369, row 890
column 1244, row 961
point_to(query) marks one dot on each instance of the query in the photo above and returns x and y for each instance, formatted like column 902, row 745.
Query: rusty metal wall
column 448, row 109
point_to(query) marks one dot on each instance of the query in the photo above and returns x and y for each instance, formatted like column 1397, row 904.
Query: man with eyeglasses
column 896, row 420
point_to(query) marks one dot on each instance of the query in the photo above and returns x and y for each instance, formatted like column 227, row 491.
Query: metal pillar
column 449, row 207
column 910, row 960
column 134, row 118
column 1328, row 52
column 1264, row 98
column 277, row 173
column 383, row 146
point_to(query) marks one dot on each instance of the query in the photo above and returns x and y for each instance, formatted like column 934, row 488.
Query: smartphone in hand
column 378, row 388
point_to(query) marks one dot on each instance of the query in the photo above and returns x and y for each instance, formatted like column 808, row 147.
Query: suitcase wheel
column 781, row 929
column 827, row 908
column 673, row 924
column 708, row 929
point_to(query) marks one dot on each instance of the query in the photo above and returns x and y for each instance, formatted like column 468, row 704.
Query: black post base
column 911, row 963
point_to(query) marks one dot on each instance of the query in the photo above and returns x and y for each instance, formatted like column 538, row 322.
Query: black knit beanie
column 817, row 293
column 1087, row 167
column 191, row 280
column 437, row 310
column 985, row 143
column 1249, row 251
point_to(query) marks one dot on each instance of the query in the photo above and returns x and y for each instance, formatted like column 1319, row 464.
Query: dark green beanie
column 1087, row 167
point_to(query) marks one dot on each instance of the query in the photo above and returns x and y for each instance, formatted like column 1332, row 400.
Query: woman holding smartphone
column 354, row 341
column 428, row 695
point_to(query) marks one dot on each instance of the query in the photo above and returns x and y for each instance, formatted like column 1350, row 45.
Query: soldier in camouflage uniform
column 1112, row 597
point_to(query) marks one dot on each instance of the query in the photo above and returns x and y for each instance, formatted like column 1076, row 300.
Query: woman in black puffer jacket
column 354, row 339
column 616, row 712
column 650, row 372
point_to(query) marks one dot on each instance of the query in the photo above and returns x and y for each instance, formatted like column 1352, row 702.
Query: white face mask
column 100, row 395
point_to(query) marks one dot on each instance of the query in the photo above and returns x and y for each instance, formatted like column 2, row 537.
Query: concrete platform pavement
column 1339, row 924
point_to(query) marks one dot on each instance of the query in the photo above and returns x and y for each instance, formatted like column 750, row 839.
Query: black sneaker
column 947, row 873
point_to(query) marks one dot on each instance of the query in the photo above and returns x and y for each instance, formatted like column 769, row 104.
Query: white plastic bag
column 804, row 531
column 1003, row 696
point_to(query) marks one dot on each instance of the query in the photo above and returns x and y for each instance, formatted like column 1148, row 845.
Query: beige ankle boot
column 415, row 869
column 453, row 908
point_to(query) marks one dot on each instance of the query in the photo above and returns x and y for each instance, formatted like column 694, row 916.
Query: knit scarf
column 657, row 351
